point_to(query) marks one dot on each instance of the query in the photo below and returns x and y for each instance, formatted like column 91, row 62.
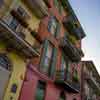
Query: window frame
column 39, row 88
column 13, row 22
column 7, row 60
column 53, row 60
column 67, row 71
column 52, row 20
column 58, row 5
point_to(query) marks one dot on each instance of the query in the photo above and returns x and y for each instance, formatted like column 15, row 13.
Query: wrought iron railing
column 69, row 85
column 16, row 41
column 70, row 50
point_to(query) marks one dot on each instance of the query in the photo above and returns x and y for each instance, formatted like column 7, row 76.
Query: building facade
column 90, row 81
column 40, row 50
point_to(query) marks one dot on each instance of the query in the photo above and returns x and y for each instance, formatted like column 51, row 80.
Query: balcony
column 67, row 6
column 92, row 81
column 20, row 18
column 38, row 7
column 70, row 50
column 70, row 20
column 15, row 41
column 73, row 26
column 66, row 83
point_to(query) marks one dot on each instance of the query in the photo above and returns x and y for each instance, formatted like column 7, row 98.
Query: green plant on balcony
column 66, row 5
column 72, row 39
column 75, row 76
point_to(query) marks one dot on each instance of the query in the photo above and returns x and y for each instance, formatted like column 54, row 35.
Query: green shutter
column 53, row 63
column 43, row 54
column 57, row 29
column 62, row 62
column 39, row 94
column 56, row 3
column 60, row 8
column 68, row 70
column 50, row 24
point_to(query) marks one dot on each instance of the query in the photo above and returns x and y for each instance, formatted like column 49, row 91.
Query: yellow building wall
column 19, row 66
column 5, row 7
column 19, row 69
column 32, row 21
column 17, row 74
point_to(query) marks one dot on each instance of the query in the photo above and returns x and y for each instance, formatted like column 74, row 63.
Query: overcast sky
column 88, row 13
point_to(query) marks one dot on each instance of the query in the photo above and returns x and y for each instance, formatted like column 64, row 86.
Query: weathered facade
column 40, row 50
column 90, row 81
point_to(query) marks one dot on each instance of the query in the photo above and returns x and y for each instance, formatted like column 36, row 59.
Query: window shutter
column 56, row 3
column 68, row 71
column 43, row 55
column 57, row 29
column 53, row 63
column 50, row 24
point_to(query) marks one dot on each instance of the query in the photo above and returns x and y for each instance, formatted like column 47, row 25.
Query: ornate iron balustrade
column 71, row 24
column 92, row 81
column 14, row 39
column 70, row 50
column 38, row 7
column 61, row 80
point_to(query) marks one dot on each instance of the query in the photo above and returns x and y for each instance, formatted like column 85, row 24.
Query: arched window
column 62, row 96
column 5, row 62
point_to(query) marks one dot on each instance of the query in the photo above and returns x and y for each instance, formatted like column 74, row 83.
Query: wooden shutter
column 53, row 63
column 43, row 54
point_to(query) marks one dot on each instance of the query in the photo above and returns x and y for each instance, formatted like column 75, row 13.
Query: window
column 54, row 26
column 65, row 66
column 40, row 93
column 22, row 12
column 48, row 59
column 5, row 62
column 62, row 96
column 14, row 88
column 58, row 5
column 14, row 23
column 48, row 56
column 68, row 71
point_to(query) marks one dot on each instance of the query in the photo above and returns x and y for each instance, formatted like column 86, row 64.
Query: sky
column 88, row 13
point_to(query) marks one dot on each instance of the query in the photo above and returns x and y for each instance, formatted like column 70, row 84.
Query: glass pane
column 46, row 66
column 14, row 23
column 68, row 71
column 49, row 51
column 52, row 25
column 4, row 62
column 47, row 61
column 63, row 64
